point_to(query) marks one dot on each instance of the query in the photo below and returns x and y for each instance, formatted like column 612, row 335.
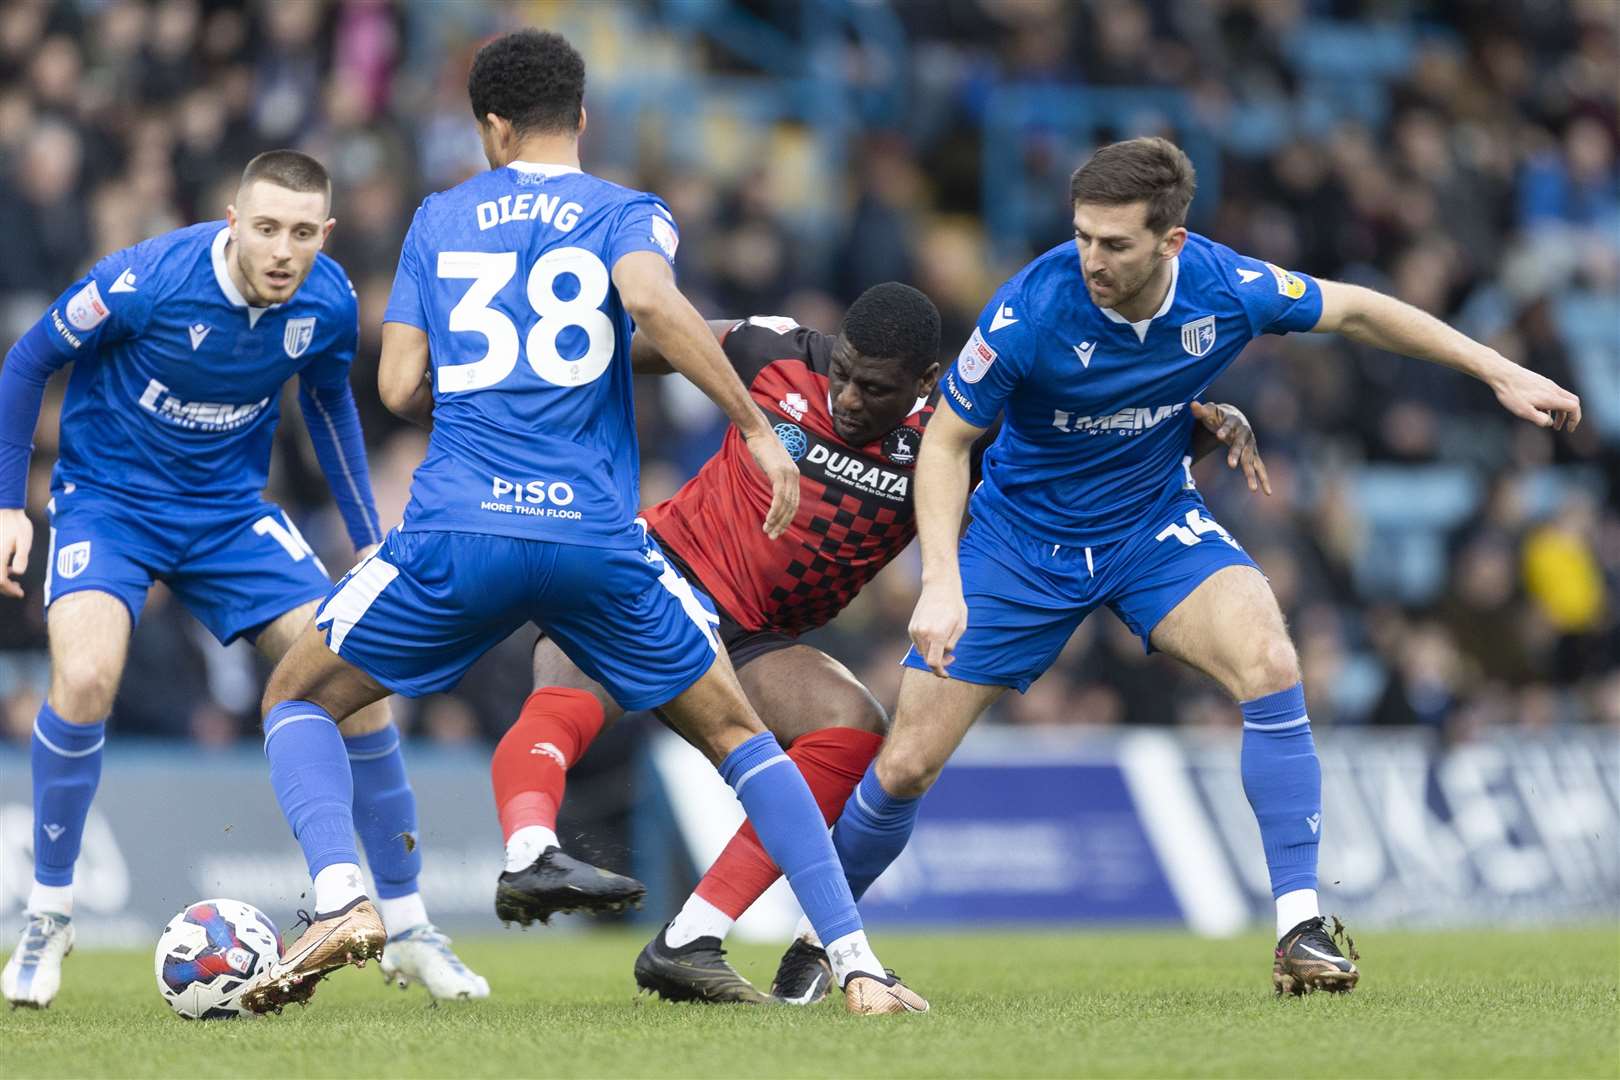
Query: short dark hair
column 892, row 321
column 532, row 78
column 1150, row 170
column 290, row 169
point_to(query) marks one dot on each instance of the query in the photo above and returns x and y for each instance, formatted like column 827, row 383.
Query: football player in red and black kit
column 851, row 409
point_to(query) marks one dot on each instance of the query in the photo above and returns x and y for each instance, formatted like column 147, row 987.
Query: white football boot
column 34, row 972
column 423, row 955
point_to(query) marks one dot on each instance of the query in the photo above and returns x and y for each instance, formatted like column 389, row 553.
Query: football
column 208, row 952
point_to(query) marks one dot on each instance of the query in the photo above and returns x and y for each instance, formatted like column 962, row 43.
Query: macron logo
column 125, row 282
column 1004, row 317
column 1084, row 351
column 198, row 332
column 1247, row 276
column 1315, row 822
column 54, row 831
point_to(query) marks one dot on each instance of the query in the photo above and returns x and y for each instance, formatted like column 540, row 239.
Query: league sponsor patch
column 1198, row 336
column 975, row 358
column 86, row 310
column 1287, row 284
column 298, row 334
column 71, row 560
column 664, row 235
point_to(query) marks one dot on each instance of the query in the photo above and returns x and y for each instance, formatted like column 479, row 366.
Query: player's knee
column 1273, row 666
column 906, row 772
column 82, row 689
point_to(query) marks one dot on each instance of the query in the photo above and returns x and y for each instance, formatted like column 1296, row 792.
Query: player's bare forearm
column 645, row 359
column 1384, row 322
column 941, row 493
column 674, row 328
column 403, row 374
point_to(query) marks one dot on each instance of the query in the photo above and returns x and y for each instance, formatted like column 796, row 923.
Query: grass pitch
column 1544, row 1003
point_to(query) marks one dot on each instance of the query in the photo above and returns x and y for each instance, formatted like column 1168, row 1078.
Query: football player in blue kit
column 180, row 346
column 1092, row 354
column 508, row 333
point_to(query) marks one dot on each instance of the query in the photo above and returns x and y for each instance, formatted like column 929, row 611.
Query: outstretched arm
column 1384, row 322
column 673, row 326
column 28, row 367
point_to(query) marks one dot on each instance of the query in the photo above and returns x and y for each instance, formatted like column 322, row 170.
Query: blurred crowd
column 1440, row 564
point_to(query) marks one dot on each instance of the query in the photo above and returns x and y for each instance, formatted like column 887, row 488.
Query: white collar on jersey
column 223, row 275
column 1141, row 327
column 544, row 168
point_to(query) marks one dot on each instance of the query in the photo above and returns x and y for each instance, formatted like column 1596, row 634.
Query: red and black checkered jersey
column 855, row 509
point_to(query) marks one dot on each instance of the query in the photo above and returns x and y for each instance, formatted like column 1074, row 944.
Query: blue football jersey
column 509, row 275
column 1097, row 432
column 176, row 381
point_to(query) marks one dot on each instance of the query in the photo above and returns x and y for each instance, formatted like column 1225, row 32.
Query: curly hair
column 894, row 322
column 532, row 78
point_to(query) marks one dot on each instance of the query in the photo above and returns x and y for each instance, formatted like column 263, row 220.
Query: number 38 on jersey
column 489, row 273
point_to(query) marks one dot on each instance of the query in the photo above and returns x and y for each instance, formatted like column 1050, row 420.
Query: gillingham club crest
column 297, row 336
column 1198, row 336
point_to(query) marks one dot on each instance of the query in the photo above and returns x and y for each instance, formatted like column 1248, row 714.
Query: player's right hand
column 937, row 624
column 16, row 539
column 783, row 475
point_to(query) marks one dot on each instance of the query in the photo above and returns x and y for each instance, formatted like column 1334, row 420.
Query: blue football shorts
column 234, row 567
column 1025, row 597
column 417, row 614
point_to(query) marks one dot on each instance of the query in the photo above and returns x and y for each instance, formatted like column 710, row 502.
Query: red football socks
column 531, row 763
column 833, row 760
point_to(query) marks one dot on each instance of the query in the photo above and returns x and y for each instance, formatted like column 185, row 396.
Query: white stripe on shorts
column 350, row 603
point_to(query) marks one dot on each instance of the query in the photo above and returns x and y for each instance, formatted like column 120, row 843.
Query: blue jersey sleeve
column 405, row 301
column 109, row 304
column 333, row 422
column 1277, row 301
column 996, row 356
column 645, row 224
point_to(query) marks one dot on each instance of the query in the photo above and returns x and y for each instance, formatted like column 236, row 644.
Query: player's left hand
column 1536, row 398
column 783, row 475
column 1228, row 424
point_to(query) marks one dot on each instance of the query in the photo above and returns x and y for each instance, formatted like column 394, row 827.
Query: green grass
column 1004, row 1004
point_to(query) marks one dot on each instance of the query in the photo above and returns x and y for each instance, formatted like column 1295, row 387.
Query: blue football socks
column 1283, row 780
column 793, row 832
column 385, row 811
column 65, row 760
column 310, row 773
column 872, row 831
